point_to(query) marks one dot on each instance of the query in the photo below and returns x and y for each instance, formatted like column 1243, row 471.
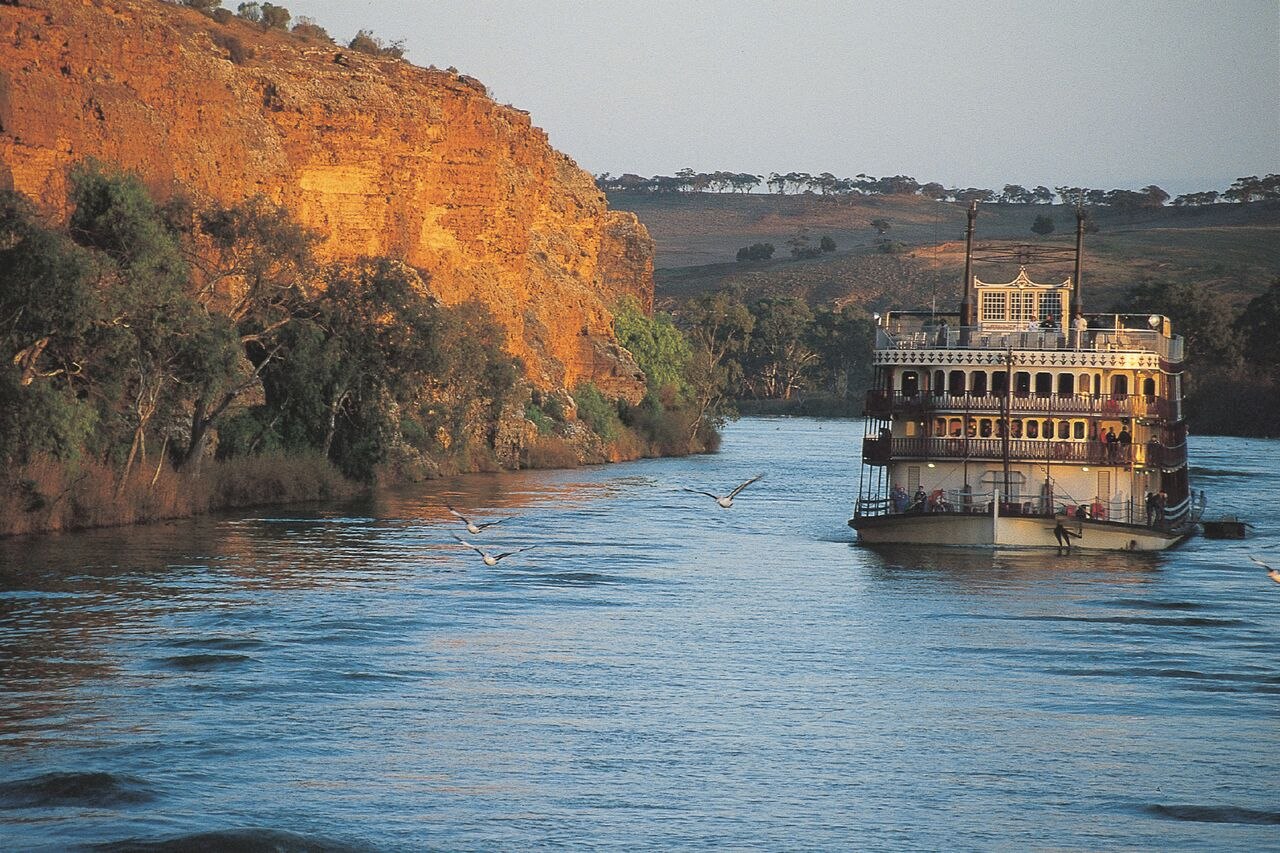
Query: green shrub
column 659, row 348
column 534, row 413
column 275, row 17
column 596, row 411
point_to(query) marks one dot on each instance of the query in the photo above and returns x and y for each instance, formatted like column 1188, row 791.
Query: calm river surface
column 658, row 673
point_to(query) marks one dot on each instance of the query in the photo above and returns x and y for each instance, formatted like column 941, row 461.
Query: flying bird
column 1271, row 573
column 491, row 559
column 472, row 527
column 727, row 500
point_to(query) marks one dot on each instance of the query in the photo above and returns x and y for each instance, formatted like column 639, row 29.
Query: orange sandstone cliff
column 379, row 156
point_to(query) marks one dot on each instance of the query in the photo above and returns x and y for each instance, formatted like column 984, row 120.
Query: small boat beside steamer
column 1022, row 421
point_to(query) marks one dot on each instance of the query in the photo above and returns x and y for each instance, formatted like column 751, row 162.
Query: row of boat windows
column 1020, row 428
column 1022, row 305
column 979, row 383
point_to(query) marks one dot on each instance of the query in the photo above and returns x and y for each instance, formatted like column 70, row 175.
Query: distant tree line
column 689, row 181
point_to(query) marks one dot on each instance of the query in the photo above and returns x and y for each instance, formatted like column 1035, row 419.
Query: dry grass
column 47, row 495
column 549, row 451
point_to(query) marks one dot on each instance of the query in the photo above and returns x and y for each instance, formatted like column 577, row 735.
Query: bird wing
column 458, row 514
column 516, row 551
column 700, row 492
column 1260, row 563
column 734, row 493
column 462, row 541
column 492, row 523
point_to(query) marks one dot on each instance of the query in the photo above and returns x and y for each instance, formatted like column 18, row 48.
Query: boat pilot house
column 1020, row 419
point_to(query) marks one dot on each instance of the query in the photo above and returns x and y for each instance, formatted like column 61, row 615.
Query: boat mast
column 966, row 301
column 1008, row 410
column 1077, row 304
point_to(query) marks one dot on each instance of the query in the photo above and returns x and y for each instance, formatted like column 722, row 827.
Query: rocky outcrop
column 379, row 156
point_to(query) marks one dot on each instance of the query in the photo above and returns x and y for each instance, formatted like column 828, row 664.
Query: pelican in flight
column 490, row 559
column 472, row 527
column 1271, row 573
column 727, row 500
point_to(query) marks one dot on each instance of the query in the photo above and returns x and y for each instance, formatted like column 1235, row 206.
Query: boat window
column 940, row 426
column 910, row 383
column 1064, row 429
column 984, row 427
column 1119, row 386
column 1017, row 429
column 1000, row 383
column 955, row 427
column 971, row 427
column 1079, row 429
column 939, row 383
column 1000, row 428
column 1044, row 384
column 1033, row 429
column 1051, row 306
column 978, row 383
column 957, row 382
column 1149, row 387
column 993, row 306
column 1066, row 384
column 1022, row 305
column 1022, row 383
column 1048, row 429
column 912, row 429
column 1084, row 383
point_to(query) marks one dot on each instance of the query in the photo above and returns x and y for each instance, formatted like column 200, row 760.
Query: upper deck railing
column 881, row 403
column 1105, row 333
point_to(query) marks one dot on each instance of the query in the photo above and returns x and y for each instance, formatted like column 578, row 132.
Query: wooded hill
column 1229, row 250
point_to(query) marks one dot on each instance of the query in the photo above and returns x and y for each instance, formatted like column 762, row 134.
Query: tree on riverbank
column 140, row 340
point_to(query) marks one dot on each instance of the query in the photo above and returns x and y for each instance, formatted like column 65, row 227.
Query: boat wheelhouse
column 1022, row 421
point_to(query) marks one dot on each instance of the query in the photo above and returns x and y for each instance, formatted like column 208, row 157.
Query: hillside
column 380, row 157
column 1232, row 249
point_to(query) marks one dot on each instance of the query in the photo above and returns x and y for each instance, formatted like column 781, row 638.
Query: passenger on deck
column 918, row 499
column 1078, row 327
column 899, row 498
column 1099, row 509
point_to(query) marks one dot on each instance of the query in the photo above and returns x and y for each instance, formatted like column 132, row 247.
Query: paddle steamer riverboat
column 1021, row 420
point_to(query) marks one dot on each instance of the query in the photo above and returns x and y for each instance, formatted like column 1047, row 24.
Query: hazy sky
column 1117, row 93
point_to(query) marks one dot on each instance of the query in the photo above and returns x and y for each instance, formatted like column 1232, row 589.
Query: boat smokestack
column 1077, row 304
column 966, row 302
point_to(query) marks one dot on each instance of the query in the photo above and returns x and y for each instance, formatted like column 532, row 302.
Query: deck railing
column 1125, row 510
column 1109, row 338
column 881, row 403
column 881, row 451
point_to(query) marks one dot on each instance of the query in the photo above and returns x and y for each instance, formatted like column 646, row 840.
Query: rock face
column 379, row 156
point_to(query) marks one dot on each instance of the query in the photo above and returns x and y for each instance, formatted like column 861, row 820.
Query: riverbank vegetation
column 166, row 359
column 1233, row 363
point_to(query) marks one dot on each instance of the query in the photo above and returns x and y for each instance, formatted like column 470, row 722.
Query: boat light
column 931, row 465
column 1153, row 320
column 1084, row 468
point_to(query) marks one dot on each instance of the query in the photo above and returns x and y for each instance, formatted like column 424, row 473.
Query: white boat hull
column 990, row 531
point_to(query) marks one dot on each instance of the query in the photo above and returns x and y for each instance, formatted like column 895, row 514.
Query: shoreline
column 47, row 497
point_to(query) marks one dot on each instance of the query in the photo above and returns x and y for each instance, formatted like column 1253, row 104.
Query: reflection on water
column 657, row 672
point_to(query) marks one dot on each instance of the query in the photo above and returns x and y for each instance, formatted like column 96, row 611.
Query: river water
column 658, row 673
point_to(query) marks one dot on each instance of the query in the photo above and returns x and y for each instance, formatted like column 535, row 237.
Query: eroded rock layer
column 379, row 156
